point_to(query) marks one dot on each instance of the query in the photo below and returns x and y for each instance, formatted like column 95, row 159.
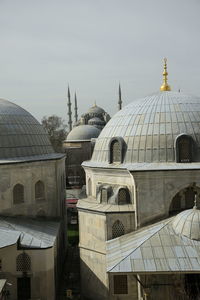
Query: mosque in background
column 32, row 194
column 80, row 141
column 139, row 224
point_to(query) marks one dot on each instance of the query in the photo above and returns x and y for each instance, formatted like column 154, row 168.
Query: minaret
column 120, row 99
column 75, row 108
column 165, row 86
column 69, row 110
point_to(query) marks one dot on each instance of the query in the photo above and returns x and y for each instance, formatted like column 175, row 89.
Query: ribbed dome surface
column 149, row 127
column 21, row 135
column 83, row 132
column 187, row 223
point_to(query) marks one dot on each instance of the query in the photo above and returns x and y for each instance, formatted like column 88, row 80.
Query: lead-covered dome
column 21, row 135
column 83, row 132
column 187, row 223
column 150, row 126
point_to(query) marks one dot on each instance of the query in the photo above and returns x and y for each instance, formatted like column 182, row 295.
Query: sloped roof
column 32, row 233
column 156, row 248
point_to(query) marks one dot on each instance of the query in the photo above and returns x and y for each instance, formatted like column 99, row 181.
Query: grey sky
column 92, row 45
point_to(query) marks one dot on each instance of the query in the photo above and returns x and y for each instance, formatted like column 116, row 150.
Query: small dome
column 21, row 135
column 187, row 223
column 83, row 132
column 96, row 121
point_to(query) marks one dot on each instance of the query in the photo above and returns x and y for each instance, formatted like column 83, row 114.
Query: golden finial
column 165, row 86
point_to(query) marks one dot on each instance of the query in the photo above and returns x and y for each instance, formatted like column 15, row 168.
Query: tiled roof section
column 149, row 127
column 20, row 133
column 31, row 233
column 156, row 248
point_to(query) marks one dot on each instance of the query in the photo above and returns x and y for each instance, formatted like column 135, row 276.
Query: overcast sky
column 92, row 45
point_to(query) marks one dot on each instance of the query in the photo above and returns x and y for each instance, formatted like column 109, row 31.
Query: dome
column 96, row 121
column 187, row 223
column 21, row 135
column 83, row 132
column 96, row 110
column 150, row 126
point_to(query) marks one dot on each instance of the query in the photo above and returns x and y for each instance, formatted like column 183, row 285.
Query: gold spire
column 165, row 86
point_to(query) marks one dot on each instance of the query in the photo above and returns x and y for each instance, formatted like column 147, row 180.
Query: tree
column 56, row 129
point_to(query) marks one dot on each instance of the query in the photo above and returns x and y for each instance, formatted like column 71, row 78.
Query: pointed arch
column 123, row 196
column 39, row 191
column 23, row 262
column 184, row 199
column 117, row 229
column 18, row 194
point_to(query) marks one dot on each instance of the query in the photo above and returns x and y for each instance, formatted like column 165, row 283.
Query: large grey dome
column 83, row 132
column 150, row 126
column 187, row 223
column 21, row 135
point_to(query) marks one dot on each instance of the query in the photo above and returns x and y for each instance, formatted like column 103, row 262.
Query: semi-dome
column 150, row 126
column 187, row 223
column 83, row 132
column 21, row 135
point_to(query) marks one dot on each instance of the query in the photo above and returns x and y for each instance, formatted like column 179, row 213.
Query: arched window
column 117, row 229
column 39, row 191
column 89, row 187
column 123, row 197
column 23, row 262
column 18, row 194
column 184, row 147
column 104, row 195
column 115, row 152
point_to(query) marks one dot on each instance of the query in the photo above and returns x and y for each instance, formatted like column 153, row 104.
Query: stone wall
column 51, row 173
column 156, row 189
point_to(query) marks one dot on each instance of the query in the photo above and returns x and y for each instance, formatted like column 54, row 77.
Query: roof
column 136, row 167
column 83, row 132
column 20, row 133
column 187, row 223
column 17, row 160
column 156, row 248
column 89, row 204
column 96, row 110
column 150, row 126
column 32, row 233
column 2, row 284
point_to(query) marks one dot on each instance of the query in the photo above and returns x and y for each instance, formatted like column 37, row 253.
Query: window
column 18, row 194
column 123, row 197
column 117, row 229
column 120, row 284
column 23, row 262
column 104, row 195
column 115, row 152
column 89, row 187
column 39, row 191
column 184, row 145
